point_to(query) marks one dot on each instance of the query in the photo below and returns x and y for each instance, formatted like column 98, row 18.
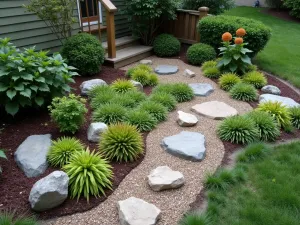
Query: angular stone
column 166, row 69
column 189, row 73
column 215, row 110
column 31, row 155
column 49, row 192
column 201, row 89
column 88, row 85
column 95, row 130
column 138, row 85
column 270, row 89
column 288, row 102
column 186, row 119
column 146, row 62
column 186, row 145
column 135, row 211
column 163, row 178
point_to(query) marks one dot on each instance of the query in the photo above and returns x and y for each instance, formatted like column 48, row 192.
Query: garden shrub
column 209, row 64
column 142, row 120
column 141, row 76
column 212, row 72
column 243, row 92
column 31, row 79
column 167, row 100
column 102, row 97
column 194, row 219
column 121, row 142
column 238, row 129
column 68, row 112
column 122, row 86
column 215, row 6
column 110, row 113
column 295, row 116
column 89, row 174
column 166, row 45
column 211, row 29
column 255, row 78
column 62, row 150
column 228, row 80
column 84, row 51
column 10, row 218
column 156, row 110
column 140, row 66
column 277, row 4
column 182, row 92
column 152, row 79
column 199, row 53
column 294, row 6
column 254, row 152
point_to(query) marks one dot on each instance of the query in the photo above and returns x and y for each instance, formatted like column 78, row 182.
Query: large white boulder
column 95, row 130
column 88, row 85
column 288, row 102
column 270, row 89
column 186, row 119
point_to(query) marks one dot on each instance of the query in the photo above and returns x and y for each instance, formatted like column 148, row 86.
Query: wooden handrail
column 109, row 6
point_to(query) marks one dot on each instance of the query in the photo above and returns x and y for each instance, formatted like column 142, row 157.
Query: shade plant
column 166, row 45
column 212, row 72
column 156, row 110
column 243, row 92
column 209, row 64
column 122, row 86
column 228, row 80
column 110, row 113
column 255, row 78
column 143, row 120
column 200, row 53
column 181, row 91
column 166, row 99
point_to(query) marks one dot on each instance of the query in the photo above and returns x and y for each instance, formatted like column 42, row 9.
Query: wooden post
column 88, row 15
column 111, row 36
column 99, row 28
column 203, row 13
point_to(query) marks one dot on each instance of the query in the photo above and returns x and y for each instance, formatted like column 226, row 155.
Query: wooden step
column 123, row 42
column 94, row 28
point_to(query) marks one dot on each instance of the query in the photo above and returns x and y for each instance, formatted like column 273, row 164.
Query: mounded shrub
column 84, row 52
column 212, row 72
column 182, row 92
column 209, row 64
column 295, row 116
column 102, row 98
column 165, row 45
column 122, row 86
column 199, row 53
column 243, row 92
column 228, row 80
column 156, row 110
column 167, row 100
column 142, row 120
column 140, row 75
column 211, row 29
column 255, row 78
column 110, row 113
column 121, row 142
column 294, row 6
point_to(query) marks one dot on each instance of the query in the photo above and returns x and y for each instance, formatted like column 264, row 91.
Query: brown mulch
column 15, row 186
column 282, row 14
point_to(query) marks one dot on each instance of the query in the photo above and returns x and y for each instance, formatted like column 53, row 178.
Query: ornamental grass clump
column 124, row 100
column 295, row 116
column 102, row 98
column 156, row 110
column 255, row 78
column 89, row 174
column 254, row 152
column 165, row 99
column 195, row 219
column 208, row 64
column 110, row 113
column 136, row 96
column 142, row 120
column 99, row 90
column 140, row 75
column 181, row 91
column 122, row 86
column 212, row 72
column 243, row 92
column 152, row 79
column 121, row 142
column 11, row 218
column 228, row 80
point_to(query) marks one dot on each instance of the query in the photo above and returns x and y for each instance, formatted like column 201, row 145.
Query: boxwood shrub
column 166, row 45
column 200, row 53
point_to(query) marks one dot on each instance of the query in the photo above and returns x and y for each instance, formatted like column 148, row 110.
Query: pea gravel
column 173, row 203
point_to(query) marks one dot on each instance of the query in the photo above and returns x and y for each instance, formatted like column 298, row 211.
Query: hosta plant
column 257, row 79
column 110, row 113
column 156, row 110
column 3, row 156
column 228, row 80
column 142, row 120
column 68, row 112
column 31, row 79
column 295, row 116
column 122, row 86
column 62, row 150
column 212, row 72
column 121, row 142
column 243, row 92
column 89, row 174
column 167, row 100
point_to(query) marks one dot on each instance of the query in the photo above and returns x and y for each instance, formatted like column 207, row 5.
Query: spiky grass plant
column 10, row 218
column 163, row 88
column 238, row 129
column 251, row 68
column 195, row 219
column 99, row 90
column 228, row 80
column 102, row 98
column 243, row 92
column 212, row 72
column 295, row 116
column 278, row 111
column 254, row 152
column 156, row 110
column 89, row 174
column 152, row 79
column 124, row 100
column 110, row 113
column 209, row 64
column 122, row 86
column 62, row 150
column 142, row 120
column 136, row 96
column 165, row 99
column 121, row 142
column 130, row 71
column 140, row 75
column 255, row 78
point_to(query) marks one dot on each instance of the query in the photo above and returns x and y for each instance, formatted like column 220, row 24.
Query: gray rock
column 95, row 130
column 146, row 62
column 135, row 211
column 189, row 73
column 270, row 89
column 138, row 85
column 88, row 85
column 31, row 155
column 49, row 192
column 163, row 178
column 166, row 69
column 186, row 119
column 186, row 145
column 288, row 102
column 202, row 89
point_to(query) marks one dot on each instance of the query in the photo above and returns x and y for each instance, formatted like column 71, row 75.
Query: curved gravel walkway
column 174, row 203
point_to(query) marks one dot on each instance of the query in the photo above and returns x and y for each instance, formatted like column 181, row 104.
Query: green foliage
column 89, row 174
column 99, row 90
column 200, row 53
column 238, row 129
column 278, row 111
column 166, row 45
column 122, row 86
column 152, row 79
column 251, row 68
column 215, row 6
column 110, row 113
column 277, row 4
column 243, row 92
column 68, row 112
column 101, row 97
column 2, row 156
column 228, row 80
column 140, row 66
column 257, row 79
column 10, row 218
column 209, row 64
column 167, row 100
column 212, row 72
column 195, row 219
column 156, row 110
column 85, row 52
column 254, row 152
column 182, row 92
column 294, row 6
column 142, row 120
column 222, row 179
column 266, row 125
column 141, row 76
column 136, row 96
column 124, row 100
column 211, row 29
column 29, row 78
column 295, row 116
column 122, row 142
column 62, row 150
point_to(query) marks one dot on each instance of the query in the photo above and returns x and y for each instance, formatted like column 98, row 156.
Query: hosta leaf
column 21, row 68
column 236, row 56
column 40, row 79
column 41, row 69
column 26, row 93
column 3, row 87
column 2, row 154
column 246, row 59
column 34, row 88
column 226, row 60
column 233, row 67
column 12, row 108
column 39, row 100
column 245, row 50
column 11, row 94
column 3, row 73
column 19, row 87
column 27, row 76
column 44, row 87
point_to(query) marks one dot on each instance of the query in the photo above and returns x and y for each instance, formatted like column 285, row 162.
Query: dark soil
column 282, row 14
column 15, row 186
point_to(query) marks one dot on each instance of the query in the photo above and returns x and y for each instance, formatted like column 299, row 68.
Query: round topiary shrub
column 212, row 72
column 121, row 142
column 165, row 99
column 156, row 110
column 122, row 86
column 110, row 113
column 228, row 80
column 255, row 78
column 140, row 75
column 243, row 92
column 84, row 52
column 199, row 53
column 166, row 45
column 209, row 64
column 238, row 129
column 295, row 116
column 142, row 120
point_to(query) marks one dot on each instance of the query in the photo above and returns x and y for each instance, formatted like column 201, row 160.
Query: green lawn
column 282, row 54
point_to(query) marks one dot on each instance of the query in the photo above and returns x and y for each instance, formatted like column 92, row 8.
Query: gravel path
column 173, row 203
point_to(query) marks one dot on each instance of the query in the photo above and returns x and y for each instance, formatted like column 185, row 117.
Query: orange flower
column 241, row 32
column 227, row 36
column 238, row 41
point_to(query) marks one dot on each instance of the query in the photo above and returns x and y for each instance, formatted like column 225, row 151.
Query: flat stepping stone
column 186, row 145
column 31, row 155
column 88, row 85
column 95, row 130
column 270, row 89
column 189, row 73
column 201, row 89
column 186, row 119
column 215, row 110
column 166, row 69
column 288, row 102
column 163, row 178
column 146, row 62
column 135, row 211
